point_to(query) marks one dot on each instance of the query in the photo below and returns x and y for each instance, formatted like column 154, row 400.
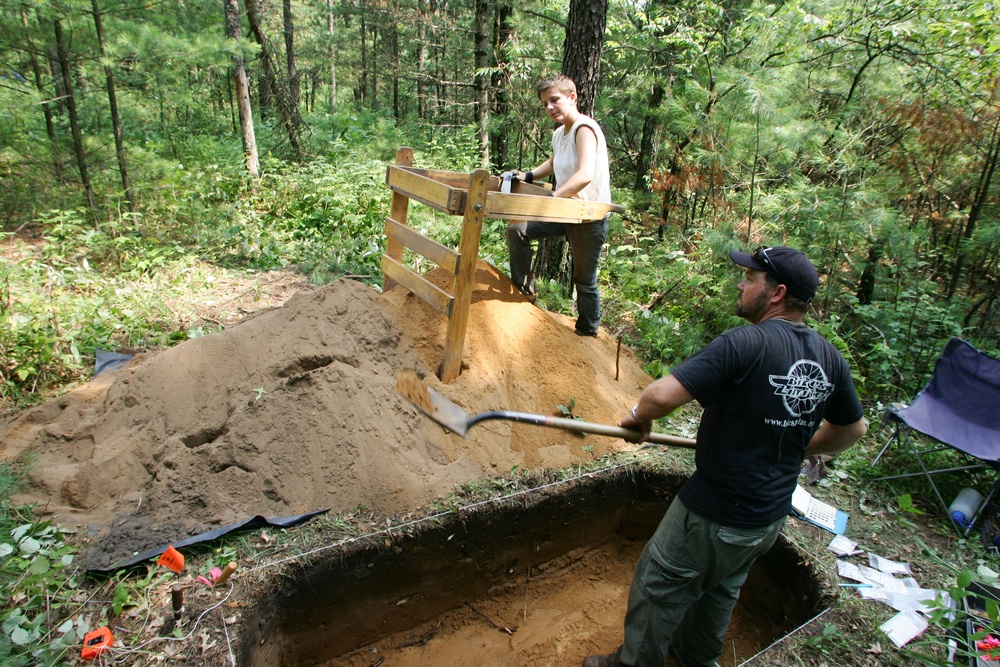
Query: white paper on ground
column 913, row 600
column 876, row 593
column 867, row 575
column 886, row 565
column 843, row 546
column 903, row 627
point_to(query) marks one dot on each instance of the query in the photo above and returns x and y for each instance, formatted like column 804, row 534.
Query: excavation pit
column 539, row 578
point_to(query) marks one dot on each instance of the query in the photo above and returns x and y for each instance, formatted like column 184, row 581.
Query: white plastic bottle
column 965, row 505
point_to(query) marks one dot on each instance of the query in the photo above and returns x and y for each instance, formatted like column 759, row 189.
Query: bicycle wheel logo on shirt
column 804, row 388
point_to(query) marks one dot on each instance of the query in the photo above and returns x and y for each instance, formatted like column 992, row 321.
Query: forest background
column 144, row 146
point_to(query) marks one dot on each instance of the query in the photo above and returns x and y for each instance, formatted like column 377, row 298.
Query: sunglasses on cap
column 760, row 256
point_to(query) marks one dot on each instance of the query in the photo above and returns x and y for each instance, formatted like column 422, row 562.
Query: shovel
column 454, row 418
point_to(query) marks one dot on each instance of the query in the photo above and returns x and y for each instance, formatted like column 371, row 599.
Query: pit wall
column 348, row 600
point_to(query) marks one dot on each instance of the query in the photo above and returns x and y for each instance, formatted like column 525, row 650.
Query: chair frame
column 902, row 434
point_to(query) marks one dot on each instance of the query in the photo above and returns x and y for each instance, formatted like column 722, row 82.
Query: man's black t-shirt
column 765, row 389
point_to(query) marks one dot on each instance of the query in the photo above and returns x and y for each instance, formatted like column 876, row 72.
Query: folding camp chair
column 959, row 408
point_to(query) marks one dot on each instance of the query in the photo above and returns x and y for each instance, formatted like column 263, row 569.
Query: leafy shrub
column 36, row 624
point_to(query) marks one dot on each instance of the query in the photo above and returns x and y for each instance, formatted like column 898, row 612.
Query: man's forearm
column 832, row 439
column 661, row 398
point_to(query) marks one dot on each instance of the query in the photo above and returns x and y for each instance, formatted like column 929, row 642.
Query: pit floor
column 559, row 614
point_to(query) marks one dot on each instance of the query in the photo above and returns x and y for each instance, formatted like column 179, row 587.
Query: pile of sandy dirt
column 294, row 409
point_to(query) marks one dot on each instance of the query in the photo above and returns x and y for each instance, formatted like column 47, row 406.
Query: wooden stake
column 226, row 572
column 177, row 600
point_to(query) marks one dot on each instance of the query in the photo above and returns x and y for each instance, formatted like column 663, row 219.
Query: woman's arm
column 543, row 170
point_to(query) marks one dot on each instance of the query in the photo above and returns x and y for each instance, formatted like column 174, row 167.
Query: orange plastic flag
column 172, row 559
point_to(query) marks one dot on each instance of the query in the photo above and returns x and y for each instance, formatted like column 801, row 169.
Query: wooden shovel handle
column 580, row 426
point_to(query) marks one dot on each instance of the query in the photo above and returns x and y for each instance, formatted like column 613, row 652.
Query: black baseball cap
column 786, row 265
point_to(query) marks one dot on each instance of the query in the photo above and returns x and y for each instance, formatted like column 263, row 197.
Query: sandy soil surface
column 294, row 409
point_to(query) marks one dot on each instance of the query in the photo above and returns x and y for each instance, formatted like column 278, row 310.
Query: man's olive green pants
column 685, row 587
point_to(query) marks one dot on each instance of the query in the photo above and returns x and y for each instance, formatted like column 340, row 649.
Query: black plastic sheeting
column 109, row 361
column 248, row 524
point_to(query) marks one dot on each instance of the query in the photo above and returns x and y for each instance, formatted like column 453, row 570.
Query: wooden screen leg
column 398, row 211
column 465, row 279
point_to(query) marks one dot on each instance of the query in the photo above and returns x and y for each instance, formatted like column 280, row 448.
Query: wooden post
column 465, row 279
column 398, row 212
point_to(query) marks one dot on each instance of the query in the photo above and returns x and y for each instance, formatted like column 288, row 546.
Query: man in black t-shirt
column 773, row 393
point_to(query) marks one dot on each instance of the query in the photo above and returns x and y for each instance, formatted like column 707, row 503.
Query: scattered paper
column 877, row 579
column 843, row 546
column 904, row 627
column 849, row 570
column 890, row 566
column 902, row 594
column 915, row 598
column 876, row 593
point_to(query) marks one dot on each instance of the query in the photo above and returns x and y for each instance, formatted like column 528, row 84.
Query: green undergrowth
column 40, row 620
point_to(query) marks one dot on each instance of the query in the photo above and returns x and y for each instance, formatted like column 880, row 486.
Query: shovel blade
column 431, row 403
column 448, row 414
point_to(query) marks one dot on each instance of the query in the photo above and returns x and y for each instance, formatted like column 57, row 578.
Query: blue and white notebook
column 815, row 511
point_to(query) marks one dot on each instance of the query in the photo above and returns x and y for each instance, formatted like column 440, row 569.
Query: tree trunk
column 74, row 121
column 500, row 84
column 582, row 49
column 293, row 74
column 647, row 144
column 57, row 78
column 482, row 42
column 440, row 60
column 373, row 56
column 980, row 200
column 394, row 37
column 422, row 59
column 333, row 54
column 553, row 262
column 294, row 115
column 289, row 113
column 235, row 32
column 50, row 126
column 363, row 29
column 116, row 124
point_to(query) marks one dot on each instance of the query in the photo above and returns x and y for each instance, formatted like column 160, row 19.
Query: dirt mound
column 294, row 409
